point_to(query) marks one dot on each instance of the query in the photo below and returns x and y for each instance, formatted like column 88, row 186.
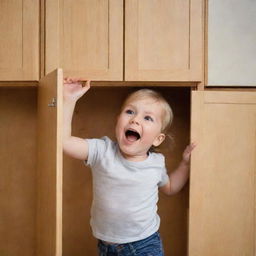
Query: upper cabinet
column 85, row 38
column 163, row 40
column 19, row 44
column 231, row 43
column 104, row 40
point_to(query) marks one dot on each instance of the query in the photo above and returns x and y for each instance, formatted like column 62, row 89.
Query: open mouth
column 132, row 135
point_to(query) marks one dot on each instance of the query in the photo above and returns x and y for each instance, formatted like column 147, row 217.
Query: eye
column 149, row 118
column 129, row 112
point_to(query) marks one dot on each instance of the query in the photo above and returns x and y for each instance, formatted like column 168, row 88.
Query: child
column 126, row 174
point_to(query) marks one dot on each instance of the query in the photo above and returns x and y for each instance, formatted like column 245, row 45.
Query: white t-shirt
column 125, row 193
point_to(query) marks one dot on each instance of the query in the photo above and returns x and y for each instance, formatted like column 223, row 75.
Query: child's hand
column 187, row 152
column 73, row 88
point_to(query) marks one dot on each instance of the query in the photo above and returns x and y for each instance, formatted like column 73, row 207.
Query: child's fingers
column 192, row 145
column 88, row 83
column 70, row 80
column 77, row 80
column 85, row 86
column 190, row 148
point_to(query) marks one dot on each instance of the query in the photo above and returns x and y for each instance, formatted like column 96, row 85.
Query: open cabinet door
column 49, row 165
column 223, row 168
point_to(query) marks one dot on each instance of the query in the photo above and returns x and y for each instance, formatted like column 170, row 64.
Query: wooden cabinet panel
column 49, row 166
column 163, row 40
column 19, row 44
column 223, row 166
column 18, row 135
column 85, row 38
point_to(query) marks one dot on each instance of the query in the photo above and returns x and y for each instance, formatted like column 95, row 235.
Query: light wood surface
column 18, row 118
column 222, row 195
column 85, row 38
column 163, row 40
column 49, row 166
column 19, row 44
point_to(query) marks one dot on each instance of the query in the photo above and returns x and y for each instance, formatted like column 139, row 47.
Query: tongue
column 131, row 137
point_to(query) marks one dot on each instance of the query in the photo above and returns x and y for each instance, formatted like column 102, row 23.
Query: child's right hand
column 73, row 88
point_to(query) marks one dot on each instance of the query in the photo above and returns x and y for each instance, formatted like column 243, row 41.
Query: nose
column 134, row 120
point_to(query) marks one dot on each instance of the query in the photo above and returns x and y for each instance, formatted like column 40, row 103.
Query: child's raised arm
column 72, row 91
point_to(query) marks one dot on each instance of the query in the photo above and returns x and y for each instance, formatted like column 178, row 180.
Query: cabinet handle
column 53, row 103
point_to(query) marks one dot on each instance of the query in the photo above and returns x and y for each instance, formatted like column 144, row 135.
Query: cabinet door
column 49, row 162
column 223, row 167
column 163, row 40
column 85, row 38
column 19, row 44
column 231, row 47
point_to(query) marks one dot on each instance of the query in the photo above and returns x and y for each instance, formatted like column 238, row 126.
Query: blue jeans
column 150, row 246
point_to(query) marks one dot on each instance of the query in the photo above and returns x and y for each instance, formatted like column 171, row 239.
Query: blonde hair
column 167, row 114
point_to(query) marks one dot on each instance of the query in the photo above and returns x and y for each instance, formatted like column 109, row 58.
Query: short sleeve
column 159, row 163
column 164, row 178
column 96, row 150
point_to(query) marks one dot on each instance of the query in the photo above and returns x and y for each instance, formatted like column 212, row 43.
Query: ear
column 159, row 139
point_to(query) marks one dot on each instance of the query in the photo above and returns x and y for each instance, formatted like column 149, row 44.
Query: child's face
column 139, row 127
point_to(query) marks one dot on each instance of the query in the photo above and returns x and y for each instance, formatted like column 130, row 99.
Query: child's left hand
column 187, row 152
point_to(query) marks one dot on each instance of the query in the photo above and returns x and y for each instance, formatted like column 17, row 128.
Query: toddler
column 126, row 173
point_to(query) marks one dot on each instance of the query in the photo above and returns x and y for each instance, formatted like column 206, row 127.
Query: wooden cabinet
column 31, row 168
column 46, row 202
column 40, row 214
column 222, row 185
column 163, row 40
column 85, row 38
column 231, row 43
column 46, row 199
column 19, row 44
column 109, row 40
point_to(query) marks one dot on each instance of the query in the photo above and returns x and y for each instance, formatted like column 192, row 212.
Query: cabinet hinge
column 53, row 103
